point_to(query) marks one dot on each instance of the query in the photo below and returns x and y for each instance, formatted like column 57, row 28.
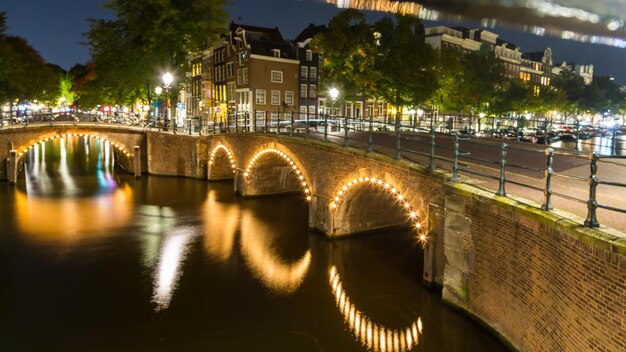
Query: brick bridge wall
column 539, row 279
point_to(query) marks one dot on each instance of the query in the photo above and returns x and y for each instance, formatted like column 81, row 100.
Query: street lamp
column 158, row 90
column 334, row 93
column 167, row 80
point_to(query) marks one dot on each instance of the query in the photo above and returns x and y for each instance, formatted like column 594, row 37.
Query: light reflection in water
column 374, row 337
column 72, row 218
column 220, row 226
column 172, row 255
column 263, row 261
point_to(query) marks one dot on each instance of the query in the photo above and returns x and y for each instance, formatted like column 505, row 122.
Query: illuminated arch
column 118, row 146
column 343, row 191
column 228, row 153
column 302, row 180
column 371, row 335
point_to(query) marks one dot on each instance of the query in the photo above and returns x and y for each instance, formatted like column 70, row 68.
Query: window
column 304, row 72
column 312, row 91
column 231, row 91
column 244, row 72
column 312, row 109
column 289, row 97
column 276, row 52
column 303, row 91
column 260, row 96
column 238, row 76
column 303, row 109
column 243, row 57
column 277, row 76
column 313, row 73
column 309, row 55
column 275, row 97
column 230, row 70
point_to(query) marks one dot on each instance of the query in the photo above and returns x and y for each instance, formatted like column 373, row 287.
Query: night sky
column 55, row 27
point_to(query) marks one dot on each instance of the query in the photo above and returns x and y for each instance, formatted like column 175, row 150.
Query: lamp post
column 167, row 80
column 158, row 90
column 334, row 93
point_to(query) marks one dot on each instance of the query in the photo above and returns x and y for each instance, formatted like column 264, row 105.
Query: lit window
column 260, row 96
column 244, row 73
column 313, row 73
column 304, row 72
column 303, row 90
column 277, row 77
column 309, row 55
column 275, row 97
column 312, row 91
column 289, row 97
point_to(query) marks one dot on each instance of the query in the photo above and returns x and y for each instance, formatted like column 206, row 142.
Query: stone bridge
column 538, row 279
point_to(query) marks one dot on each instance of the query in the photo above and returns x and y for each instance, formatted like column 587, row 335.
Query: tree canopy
column 131, row 52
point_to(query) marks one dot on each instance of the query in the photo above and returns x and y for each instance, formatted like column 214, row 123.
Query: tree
column 572, row 87
column 482, row 80
column 29, row 77
column 349, row 52
column 406, row 64
column 148, row 37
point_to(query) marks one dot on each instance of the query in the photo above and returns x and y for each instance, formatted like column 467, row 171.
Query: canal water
column 93, row 260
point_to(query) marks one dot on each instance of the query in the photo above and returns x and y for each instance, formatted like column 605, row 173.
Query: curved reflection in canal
column 162, row 263
column 257, row 243
column 374, row 336
column 259, row 252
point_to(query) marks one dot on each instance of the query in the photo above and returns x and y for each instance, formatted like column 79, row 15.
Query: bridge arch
column 27, row 147
column 350, row 200
column 274, row 169
column 218, row 167
column 374, row 336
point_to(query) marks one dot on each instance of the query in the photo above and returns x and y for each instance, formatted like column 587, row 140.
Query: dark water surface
column 93, row 260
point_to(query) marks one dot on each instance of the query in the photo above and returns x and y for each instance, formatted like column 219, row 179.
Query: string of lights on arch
column 294, row 168
column 343, row 190
column 42, row 140
column 228, row 153
column 373, row 336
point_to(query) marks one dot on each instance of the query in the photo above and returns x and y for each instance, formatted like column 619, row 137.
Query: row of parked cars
column 534, row 135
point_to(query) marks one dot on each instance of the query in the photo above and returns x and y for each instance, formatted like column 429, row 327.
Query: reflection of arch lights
column 293, row 166
column 230, row 156
column 256, row 247
column 117, row 146
column 401, row 199
column 374, row 336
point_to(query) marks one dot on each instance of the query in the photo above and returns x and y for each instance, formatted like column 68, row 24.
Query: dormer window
column 276, row 52
column 309, row 55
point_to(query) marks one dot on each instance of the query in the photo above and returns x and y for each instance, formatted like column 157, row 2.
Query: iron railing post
column 245, row 122
column 292, row 125
column 345, row 131
column 278, row 122
column 266, row 122
column 455, row 164
column 592, row 204
column 370, row 135
column 501, row 191
column 545, row 132
column 547, row 192
column 306, row 131
column 432, row 149
column 326, row 127
column 236, row 122
column 254, row 121
column 398, row 146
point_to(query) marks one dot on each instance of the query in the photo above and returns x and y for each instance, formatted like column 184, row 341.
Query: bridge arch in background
column 282, row 156
column 26, row 148
column 220, row 168
column 351, row 200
